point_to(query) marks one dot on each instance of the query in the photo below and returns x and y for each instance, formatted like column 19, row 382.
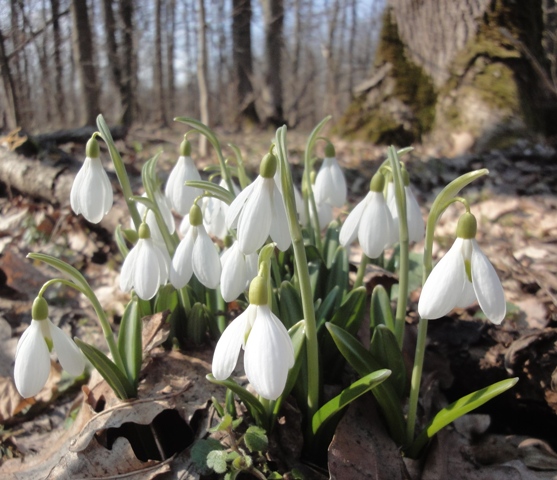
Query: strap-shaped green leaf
column 338, row 273
column 455, row 410
column 351, row 311
column 349, row 394
column 256, row 409
column 330, row 303
column 363, row 362
column 109, row 371
column 290, row 305
column 331, row 242
column 129, row 340
column 381, row 312
column 384, row 348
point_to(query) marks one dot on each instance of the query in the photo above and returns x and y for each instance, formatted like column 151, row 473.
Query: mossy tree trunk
column 460, row 73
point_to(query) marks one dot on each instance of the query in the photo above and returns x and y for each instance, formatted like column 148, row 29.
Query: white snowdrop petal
column 238, row 203
column 267, row 357
column 228, row 346
column 181, row 268
column 165, row 209
column 163, row 262
column 128, row 268
column 69, row 355
column 443, row 286
column 416, row 224
column 375, row 226
column 234, row 273
column 487, row 286
column 254, row 223
column 146, row 280
column 279, row 230
column 205, row 259
column 77, row 186
column 338, row 192
column 32, row 362
column 92, row 207
column 349, row 229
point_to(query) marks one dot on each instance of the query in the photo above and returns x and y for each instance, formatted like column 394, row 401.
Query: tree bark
column 456, row 74
column 83, row 53
column 58, row 66
column 202, row 73
column 11, row 117
column 273, row 12
column 158, row 76
column 170, row 76
column 243, row 63
column 129, row 63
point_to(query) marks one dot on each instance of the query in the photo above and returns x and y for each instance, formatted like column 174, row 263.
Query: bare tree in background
column 243, row 62
column 170, row 75
column 273, row 13
column 10, row 117
column 202, row 72
column 158, row 76
column 59, row 68
column 129, row 63
column 83, row 54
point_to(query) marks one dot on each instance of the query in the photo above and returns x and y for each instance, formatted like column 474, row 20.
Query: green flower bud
column 131, row 235
column 185, row 148
column 39, row 311
column 144, row 231
column 377, row 182
column 92, row 149
column 268, row 166
column 330, row 151
column 467, row 226
column 196, row 217
column 258, row 291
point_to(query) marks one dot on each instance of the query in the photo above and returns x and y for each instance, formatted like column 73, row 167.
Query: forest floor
column 511, row 437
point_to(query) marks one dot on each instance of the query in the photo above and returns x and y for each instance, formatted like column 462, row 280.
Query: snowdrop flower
column 181, row 197
column 416, row 225
column 32, row 358
column 91, row 193
column 146, row 267
column 237, row 272
column 197, row 254
column 269, row 353
column 258, row 211
column 214, row 213
column 370, row 221
column 461, row 277
column 330, row 184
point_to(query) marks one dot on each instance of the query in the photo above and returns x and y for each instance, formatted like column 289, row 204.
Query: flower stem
column 364, row 261
column 303, row 278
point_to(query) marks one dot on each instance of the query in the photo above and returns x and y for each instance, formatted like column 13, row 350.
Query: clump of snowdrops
column 277, row 250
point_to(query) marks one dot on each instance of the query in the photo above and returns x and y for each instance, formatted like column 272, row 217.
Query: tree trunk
column 129, row 64
column 83, row 53
column 243, row 62
column 273, row 12
column 202, row 75
column 459, row 74
column 60, row 99
column 10, row 117
column 158, row 76
column 170, row 80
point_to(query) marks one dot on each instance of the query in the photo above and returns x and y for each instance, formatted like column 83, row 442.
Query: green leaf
column 384, row 348
column 455, row 410
column 349, row 394
column 166, row 299
column 338, row 273
column 324, row 310
column 199, row 451
column 129, row 340
column 213, row 189
column 290, row 305
column 216, row 460
column 381, row 312
column 351, row 311
column 256, row 439
column 197, row 323
column 121, row 242
column 64, row 268
column 224, row 424
column 115, row 378
column 331, row 243
column 256, row 409
column 363, row 362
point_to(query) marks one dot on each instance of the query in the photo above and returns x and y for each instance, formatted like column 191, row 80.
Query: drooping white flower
column 181, row 196
column 258, row 211
column 196, row 253
column 32, row 358
column 146, row 267
column 370, row 222
column 214, row 213
column 330, row 184
column 151, row 219
column 238, row 270
column 91, row 193
column 298, row 200
column 461, row 277
column 416, row 225
column 269, row 353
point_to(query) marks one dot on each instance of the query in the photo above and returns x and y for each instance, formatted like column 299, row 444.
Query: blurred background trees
column 389, row 71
